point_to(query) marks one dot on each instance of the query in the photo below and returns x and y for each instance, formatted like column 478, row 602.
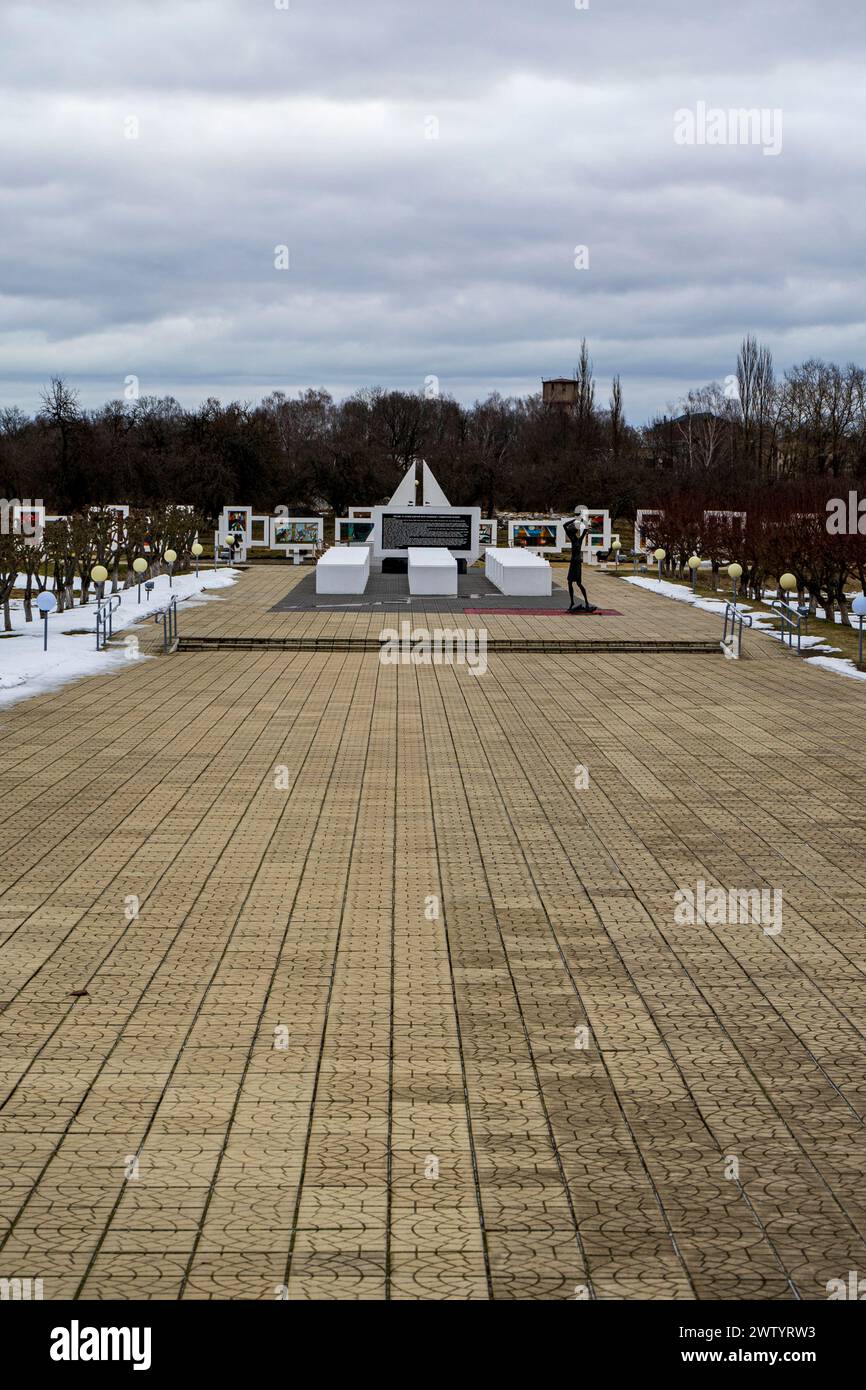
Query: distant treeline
column 724, row 441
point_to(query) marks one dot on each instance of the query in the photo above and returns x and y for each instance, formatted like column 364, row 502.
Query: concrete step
column 551, row 647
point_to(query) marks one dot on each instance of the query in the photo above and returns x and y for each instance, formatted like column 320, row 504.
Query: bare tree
column 585, row 400
column 617, row 419
column 61, row 415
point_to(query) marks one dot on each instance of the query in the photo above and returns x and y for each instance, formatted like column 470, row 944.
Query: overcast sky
column 431, row 168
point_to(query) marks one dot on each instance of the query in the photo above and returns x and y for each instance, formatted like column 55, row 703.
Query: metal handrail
column 790, row 621
column 738, row 619
column 104, row 619
column 168, row 617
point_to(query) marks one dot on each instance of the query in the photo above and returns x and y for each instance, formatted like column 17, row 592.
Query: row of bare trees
column 810, row 422
column 72, row 547
column 313, row 453
column 783, row 531
column 519, row 454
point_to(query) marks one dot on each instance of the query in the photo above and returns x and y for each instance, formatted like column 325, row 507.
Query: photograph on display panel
column 296, row 531
column 348, row 531
column 536, row 535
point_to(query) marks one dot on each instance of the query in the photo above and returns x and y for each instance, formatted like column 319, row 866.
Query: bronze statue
column 577, row 528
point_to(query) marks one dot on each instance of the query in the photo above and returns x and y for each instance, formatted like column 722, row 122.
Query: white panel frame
column 224, row 522
column 225, row 529
column 296, row 548
column 470, row 555
column 640, row 514
column 265, row 519
column 606, row 526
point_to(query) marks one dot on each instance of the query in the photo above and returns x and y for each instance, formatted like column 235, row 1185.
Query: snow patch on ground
column 676, row 591
column 25, row 669
column 842, row 665
column 761, row 622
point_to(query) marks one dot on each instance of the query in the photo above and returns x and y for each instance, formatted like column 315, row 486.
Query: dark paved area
column 391, row 591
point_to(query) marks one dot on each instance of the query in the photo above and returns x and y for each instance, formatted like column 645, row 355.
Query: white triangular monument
column 410, row 484
column 405, row 494
column 433, row 494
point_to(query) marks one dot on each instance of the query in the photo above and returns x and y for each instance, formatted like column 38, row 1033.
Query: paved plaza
column 323, row 978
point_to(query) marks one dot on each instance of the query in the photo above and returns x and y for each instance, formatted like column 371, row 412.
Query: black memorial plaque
column 402, row 529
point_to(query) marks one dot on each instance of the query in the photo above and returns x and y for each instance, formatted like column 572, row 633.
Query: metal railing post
column 738, row 620
column 788, row 626
column 168, row 617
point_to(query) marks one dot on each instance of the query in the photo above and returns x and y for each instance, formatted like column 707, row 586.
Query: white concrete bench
column 344, row 569
column 432, row 570
column 518, row 572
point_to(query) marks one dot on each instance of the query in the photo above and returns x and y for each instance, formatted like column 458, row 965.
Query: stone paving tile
column 423, row 1024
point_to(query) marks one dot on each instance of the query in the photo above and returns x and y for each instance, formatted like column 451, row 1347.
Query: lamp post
column 694, row 565
column 735, row 574
column 139, row 566
column 616, row 548
column 658, row 556
column 787, row 583
column 196, row 549
column 46, row 603
column 859, row 609
column 170, row 557
column 99, row 574
column 229, row 543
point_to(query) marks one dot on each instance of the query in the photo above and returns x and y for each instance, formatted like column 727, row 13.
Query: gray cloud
column 413, row 256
